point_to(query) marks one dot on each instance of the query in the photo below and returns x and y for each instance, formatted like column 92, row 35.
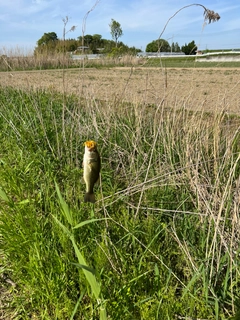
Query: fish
column 91, row 169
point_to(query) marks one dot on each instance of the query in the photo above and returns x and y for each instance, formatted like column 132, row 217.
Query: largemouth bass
column 91, row 169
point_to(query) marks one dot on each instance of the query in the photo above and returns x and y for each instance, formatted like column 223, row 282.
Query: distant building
column 82, row 48
column 159, row 54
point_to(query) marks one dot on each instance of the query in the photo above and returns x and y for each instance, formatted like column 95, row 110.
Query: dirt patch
column 197, row 89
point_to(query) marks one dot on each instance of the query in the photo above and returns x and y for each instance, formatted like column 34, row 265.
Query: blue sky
column 23, row 22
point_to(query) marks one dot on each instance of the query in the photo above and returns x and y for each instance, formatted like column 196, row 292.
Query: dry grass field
column 208, row 89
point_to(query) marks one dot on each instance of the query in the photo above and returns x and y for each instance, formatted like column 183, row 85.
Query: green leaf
column 156, row 270
column 81, row 224
column 23, row 202
column 84, row 267
column 95, row 287
column 65, row 207
column 77, row 304
column 4, row 196
column 68, row 233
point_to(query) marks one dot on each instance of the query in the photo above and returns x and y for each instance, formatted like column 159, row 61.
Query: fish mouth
column 90, row 144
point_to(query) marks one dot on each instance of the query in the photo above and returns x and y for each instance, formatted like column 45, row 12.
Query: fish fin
column 97, row 183
column 89, row 197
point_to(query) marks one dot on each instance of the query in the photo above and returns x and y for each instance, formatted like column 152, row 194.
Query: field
column 162, row 239
column 199, row 89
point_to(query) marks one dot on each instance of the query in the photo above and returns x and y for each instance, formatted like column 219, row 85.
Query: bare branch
column 85, row 20
column 65, row 22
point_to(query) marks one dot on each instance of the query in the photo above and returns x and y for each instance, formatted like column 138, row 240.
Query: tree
column 97, row 43
column 97, row 40
column 116, row 30
column 47, row 43
column 159, row 45
column 47, row 38
column 175, row 47
column 88, row 39
column 93, row 42
column 190, row 48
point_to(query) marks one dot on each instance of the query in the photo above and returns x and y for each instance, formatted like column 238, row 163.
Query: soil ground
column 215, row 89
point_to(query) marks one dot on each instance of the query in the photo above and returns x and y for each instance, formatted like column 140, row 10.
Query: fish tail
column 89, row 197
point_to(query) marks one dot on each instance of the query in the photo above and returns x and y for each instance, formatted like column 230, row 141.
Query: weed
column 168, row 243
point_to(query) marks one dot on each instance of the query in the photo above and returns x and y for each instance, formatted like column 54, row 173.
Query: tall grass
column 161, row 241
column 19, row 60
column 16, row 60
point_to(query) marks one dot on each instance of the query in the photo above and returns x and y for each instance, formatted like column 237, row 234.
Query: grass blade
column 65, row 208
column 4, row 196
column 81, row 224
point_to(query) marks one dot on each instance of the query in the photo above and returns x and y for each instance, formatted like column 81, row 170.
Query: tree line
column 161, row 45
column 88, row 43
column 50, row 43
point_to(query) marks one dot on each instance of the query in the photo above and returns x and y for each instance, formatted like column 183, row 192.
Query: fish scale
column 91, row 169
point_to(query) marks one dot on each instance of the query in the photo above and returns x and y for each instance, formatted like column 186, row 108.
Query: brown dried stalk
column 85, row 20
column 65, row 22
column 209, row 15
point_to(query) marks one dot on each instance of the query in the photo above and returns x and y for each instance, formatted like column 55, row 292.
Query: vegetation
column 159, row 45
column 16, row 62
column 190, row 48
column 51, row 44
column 162, row 240
column 116, row 30
column 47, row 38
column 92, row 43
column 95, row 43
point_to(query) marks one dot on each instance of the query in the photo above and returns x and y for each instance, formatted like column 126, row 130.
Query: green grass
column 188, row 62
column 162, row 240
